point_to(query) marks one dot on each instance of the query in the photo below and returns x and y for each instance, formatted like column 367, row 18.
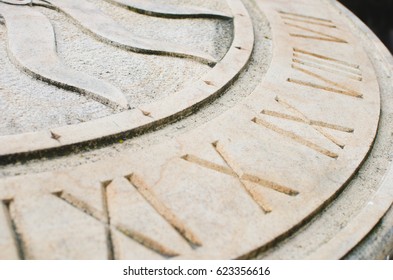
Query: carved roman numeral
column 139, row 237
column 294, row 17
column 245, row 179
column 302, row 22
column 298, row 116
column 302, row 61
column 326, row 63
column 163, row 210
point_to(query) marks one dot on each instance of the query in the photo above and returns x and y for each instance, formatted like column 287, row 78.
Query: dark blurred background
column 377, row 14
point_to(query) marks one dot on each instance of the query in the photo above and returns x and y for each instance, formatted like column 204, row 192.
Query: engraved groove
column 138, row 237
column 252, row 178
column 305, row 121
column 85, row 208
column 317, row 86
column 81, row 206
column 146, row 241
column 209, row 165
column 234, row 171
column 308, row 21
column 337, row 61
column 295, row 138
column 317, row 38
column 164, row 211
column 311, row 122
column 269, row 184
column 322, row 36
column 16, row 235
column 316, row 125
column 151, row 8
column 305, row 17
column 264, row 205
column 327, row 64
column 108, row 231
column 320, row 66
column 106, row 29
column 338, row 88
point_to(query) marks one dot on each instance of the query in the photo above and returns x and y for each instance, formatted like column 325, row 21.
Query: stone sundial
column 185, row 129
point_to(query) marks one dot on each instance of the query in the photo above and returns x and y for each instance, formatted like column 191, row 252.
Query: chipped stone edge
column 152, row 115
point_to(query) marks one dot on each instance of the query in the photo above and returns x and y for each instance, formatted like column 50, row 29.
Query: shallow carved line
column 106, row 29
column 307, row 121
column 338, row 88
column 295, row 138
column 32, row 47
column 314, row 124
column 105, row 202
column 138, row 237
column 269, row 184
column 209, row 165
column 355, row 66
column 308, row 21
column 252, row 178
column 83, row 207
column 167, row 10
column 163, row 210
column 327, row 64
column 317, row 38
column 305, row 16
column 322, row 36
column 320, row 66
column 313, row 85
column 234, row 171
column 135, row 235
column 146, row 241
column 262, row 203
column 16, row 235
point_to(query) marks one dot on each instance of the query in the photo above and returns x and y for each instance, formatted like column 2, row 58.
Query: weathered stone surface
column 276, row 132
column 32, row 46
